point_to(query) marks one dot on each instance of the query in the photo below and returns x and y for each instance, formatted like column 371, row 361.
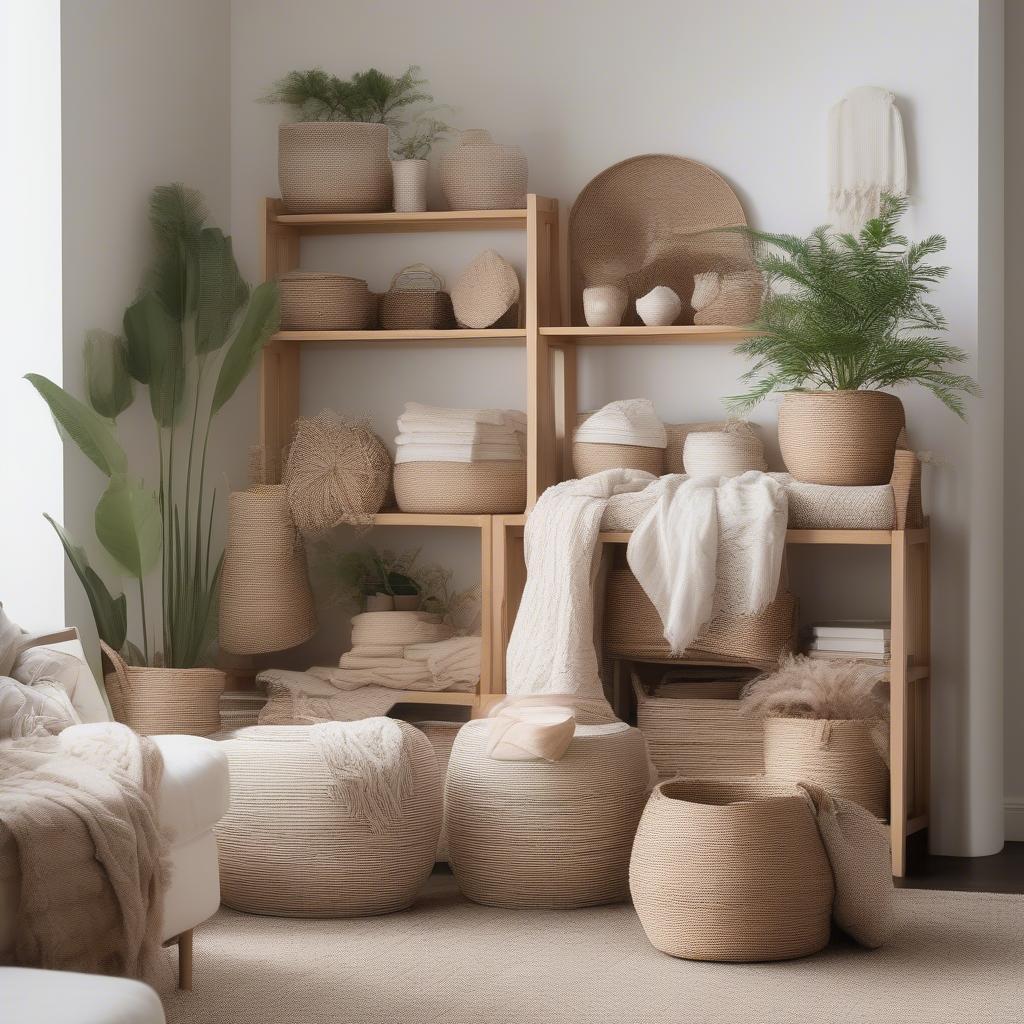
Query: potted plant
column 190, row 337
column 409, row 166
column 843, row 318
column 335, row 159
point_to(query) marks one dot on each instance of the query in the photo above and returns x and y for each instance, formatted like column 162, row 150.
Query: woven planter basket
column 632, row 629
column 539, row 834
column 593, row 457
column 442, row 737
column 837, row 755
column 731, row 870
column 840, row 437
column 154, row 701
column 461, row 488
column 265, row 600
column 477, row 174
column 334, row 167
column 416, row 300
column 325, row 302
column 288, row 847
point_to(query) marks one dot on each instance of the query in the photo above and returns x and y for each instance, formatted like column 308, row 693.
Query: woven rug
column 959, row 958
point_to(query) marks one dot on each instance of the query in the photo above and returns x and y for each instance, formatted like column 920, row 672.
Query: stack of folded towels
column 431, row 434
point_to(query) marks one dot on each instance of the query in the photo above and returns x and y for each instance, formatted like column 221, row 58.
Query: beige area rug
column 959, row 958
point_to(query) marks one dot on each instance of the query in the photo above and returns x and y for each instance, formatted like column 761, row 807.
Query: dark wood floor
column 1002, row 872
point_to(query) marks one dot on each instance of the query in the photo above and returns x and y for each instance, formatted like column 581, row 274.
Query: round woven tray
column 461, row 488
column 731, row 870
column 593, row 457
column 478, row 174
column 313, row 301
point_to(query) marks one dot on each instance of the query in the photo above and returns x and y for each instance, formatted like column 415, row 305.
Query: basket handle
column 117, row 681
column 642, row 696
column 418, row 272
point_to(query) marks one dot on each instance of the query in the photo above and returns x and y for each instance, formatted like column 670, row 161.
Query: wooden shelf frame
column 673, row 335
column 498, row 336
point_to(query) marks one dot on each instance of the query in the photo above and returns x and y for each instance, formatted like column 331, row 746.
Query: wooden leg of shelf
column 899, row 730
column 279, row 402
column 185, row 961
column 565, row 409
column 487, row 634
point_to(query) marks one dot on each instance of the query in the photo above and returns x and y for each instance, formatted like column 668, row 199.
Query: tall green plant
column 190, row 338
column 845, row 312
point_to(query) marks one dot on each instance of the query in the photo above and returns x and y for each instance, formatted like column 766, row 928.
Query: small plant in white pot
column 844, row 318
column 409, row 166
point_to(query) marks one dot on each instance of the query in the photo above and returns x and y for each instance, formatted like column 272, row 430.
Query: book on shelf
column 822, row 643
column 852, row 629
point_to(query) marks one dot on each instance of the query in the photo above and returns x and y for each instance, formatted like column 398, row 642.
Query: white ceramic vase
column 603, row 305
column 410, row 178
column 659, row 307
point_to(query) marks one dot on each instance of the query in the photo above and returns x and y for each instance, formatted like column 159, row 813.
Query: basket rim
column 787, row 791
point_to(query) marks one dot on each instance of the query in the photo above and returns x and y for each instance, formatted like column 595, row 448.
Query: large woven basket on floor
column 461, row 488
column 731, row 870
column 633, row 629
column 839, row 756
column 416, row 300
column 478, row 174
column 312, row 301
column 334, row 167
column 545, row 834
column 154, row 701
column 288, row 847
column 593, row 457
column 442, row 737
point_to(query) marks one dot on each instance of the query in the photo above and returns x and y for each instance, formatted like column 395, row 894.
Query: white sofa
column 61, row 997
column 193, row 796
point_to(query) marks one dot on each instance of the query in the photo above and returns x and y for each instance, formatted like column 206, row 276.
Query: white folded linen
column 477, row 434
column 429, row 417
column 629, row 421
column 458, row 453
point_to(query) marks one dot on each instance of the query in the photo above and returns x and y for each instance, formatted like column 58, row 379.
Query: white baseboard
column 1014, row 820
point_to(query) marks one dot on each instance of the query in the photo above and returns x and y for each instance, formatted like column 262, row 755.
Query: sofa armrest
column 906, row 490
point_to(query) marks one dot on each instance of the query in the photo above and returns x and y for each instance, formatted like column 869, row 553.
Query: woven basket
column 154, row 701
column 461, row 488
column 542, row 834
column 477, row 174
column 731, row 870
column 840, row 437
column 334, row 167
column 442, row 737
column 325, row 302
column 731, row 299
column 416, row 300
column 593, row 457
column 410, row 185
column 265, row 600
column 633, row 629
column 722, row 452
column 837, row 755
column 486, row 293
column 677, row 434
column 289, row 848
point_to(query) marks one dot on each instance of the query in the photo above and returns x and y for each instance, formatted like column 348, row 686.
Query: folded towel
column 630, row 421
column 476, row 435
column 458, row 453
column 428, row 415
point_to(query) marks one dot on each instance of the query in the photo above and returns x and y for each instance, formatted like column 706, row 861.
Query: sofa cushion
column 194, row 792
column 40, row 710
column 59, row 658
column 62, row 997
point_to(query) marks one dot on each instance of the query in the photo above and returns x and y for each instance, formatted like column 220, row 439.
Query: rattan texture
column 731, row 870
column 479, row 174
column 650, row 221
column 334, row 167
column 312, row 301
column 593, row 457
column 265, row 600
column 540, row 834
column 289, row 848
column 838, row 755
column 486, row 293
column 442, row 737
column 461, row 488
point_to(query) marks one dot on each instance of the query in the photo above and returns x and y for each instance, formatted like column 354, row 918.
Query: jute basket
column 731, row 870
column 478, row 174
column 288, row 847
column 416, row 300
column 722, row 452
column 677, row 434
column 840, row 437
column 334, row 167
column 325, row 302
column 593, row 457
column 837, row 755
column 731, row 299
column 633, row 629
column 539, row 834
column 265, row 599
column 153, row 701
column 461, row 488
column 442, row 737
column 486, row 293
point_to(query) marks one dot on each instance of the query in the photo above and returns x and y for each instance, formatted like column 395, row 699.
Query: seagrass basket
column 479, row 174
column 461, row 488
column 312, row 301
column 416, row 300
column 594, row 456
column 486, row 293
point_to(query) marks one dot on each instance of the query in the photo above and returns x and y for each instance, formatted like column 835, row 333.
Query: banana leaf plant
column 190, row 338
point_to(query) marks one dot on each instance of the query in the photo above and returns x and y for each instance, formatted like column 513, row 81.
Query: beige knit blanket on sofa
column 79, row 834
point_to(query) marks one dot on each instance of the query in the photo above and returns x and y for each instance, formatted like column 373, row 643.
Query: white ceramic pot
column 659, row 307
column 603, row 305
column 410, row 178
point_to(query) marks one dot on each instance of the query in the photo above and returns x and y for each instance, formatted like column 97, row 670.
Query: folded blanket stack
column 431, row 434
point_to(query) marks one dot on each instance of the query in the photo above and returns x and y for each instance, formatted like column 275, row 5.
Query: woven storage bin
column 288, row 847
column 837, row 755
column 593, row 457
column 154, row 701
column 334, row 167
column 416, row 300
column 325, row 302
column 442, row 737
column 542, row 834
column 722, row 452
column 265, row 600
column 677, row 434
column 461, row 488
column 731, row 870
column 632, row 629
column 477, row 174
column 840, row 437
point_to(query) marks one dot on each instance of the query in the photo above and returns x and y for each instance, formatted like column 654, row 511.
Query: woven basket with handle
column 416, row 300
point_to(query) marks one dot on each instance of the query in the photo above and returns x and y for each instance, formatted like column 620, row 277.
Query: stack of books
column 239, row 708
column 852, row 640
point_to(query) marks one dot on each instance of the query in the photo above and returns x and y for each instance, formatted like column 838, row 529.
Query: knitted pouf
column 540, row 834
column 289, row 847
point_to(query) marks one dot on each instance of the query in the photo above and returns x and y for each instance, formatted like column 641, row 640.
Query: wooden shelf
column 385, row 223
column 679, row 335
column 500, row 336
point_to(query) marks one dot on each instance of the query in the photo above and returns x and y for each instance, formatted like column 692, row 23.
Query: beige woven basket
column 677, row 434
column 153, row 701
column 544, row 834
column 461, row 488
column 265, row 599
column 722, row 452
column 442, row 737
column 313, row 301
column 731, row 870
column 730, row 299
column 416, row 300
column 486, row 293
column 477, row 174
column 840, row 437
column 288, row 847
column 838, row 755
column 633, row 629
column 593, row 457
column 334, row 167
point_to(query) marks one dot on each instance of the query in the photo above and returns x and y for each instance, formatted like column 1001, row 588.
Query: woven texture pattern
column 731, row 870
column 461, row 488
column 334, row 167
column 722, row 452
column 288, row 847
column 728, row 299
column 486, row 292
column 589, row 457
column 325, row 302
column 815, row 507
column 410, row 185
column 546, row 834
column 442, row 737
column 416, row 300
column 677, row 433
column 478, row 174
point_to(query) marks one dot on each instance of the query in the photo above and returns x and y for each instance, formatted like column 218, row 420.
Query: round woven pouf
column 288, row 847
column 731, row 870
column 539, row 834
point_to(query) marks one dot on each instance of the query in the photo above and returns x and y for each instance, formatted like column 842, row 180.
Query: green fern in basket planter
column 190, row 338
